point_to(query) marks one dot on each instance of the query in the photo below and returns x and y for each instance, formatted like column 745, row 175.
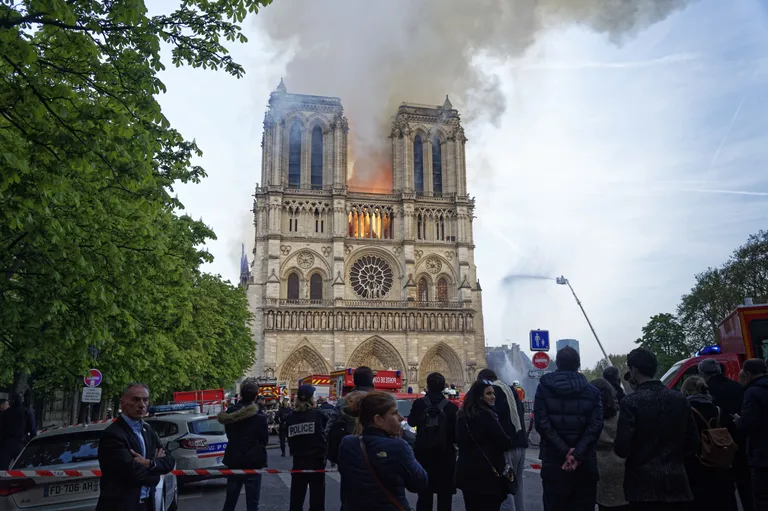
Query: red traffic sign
column 93, row 379
column 541, row 360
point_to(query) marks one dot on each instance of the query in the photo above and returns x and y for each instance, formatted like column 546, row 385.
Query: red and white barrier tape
column 38, row 474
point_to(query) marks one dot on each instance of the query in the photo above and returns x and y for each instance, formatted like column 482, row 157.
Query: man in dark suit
column 130, row 457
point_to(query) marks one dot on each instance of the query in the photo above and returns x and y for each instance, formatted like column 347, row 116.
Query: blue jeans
column 252, row 492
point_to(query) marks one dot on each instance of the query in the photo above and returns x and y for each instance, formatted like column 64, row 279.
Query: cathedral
column 344, row 278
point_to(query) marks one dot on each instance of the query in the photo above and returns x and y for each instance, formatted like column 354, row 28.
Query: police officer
column 306, row 440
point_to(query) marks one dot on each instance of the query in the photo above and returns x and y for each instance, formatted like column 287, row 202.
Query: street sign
column 536, row 373
column 541, row 360
column 539, row 340
column 91, row 395
column 93, row 379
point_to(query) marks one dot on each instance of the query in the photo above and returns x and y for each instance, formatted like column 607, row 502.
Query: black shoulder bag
column 507, row 479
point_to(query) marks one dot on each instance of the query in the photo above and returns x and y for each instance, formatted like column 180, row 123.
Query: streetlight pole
column 564, row 282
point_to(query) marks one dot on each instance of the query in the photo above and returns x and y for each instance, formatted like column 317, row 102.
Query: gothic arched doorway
column 377, row 353
column 443, row 359
column 302, row 361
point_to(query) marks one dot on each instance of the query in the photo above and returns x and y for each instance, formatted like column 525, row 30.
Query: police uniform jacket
column 306, row 438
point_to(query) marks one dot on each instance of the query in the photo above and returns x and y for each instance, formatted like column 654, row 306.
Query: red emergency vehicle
column 742, row 335
column 342, row 382
column 321, row 382
column 209, row 401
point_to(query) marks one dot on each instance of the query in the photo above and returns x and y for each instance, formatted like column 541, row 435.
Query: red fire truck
column 342, row 381
column 209, row 401
column 321, row 382
column 742, row 335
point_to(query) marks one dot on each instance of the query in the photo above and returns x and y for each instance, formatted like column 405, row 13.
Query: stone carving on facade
column 371, row 277
column 326, row 251
column 397, row 251
column 413, row 373
column 283, row 319
column 433, row 265
column 449, row 255
column 347, row 250
column 285, row 249
column 305, row 260
column 418, row 253
column 269, row 372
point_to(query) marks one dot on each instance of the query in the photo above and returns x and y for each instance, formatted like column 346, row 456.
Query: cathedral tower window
column 437, row 167
column 294, row 156
column 419, row 226
column 293, row 219
column 442, row 290
column 440, row 228
column 418, row 165
column 316, row 287
column 293, row 287
column 423, row 292
column 319, row 222
column 316, row 164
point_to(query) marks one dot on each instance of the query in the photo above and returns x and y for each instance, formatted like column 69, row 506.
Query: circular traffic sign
column 541, row 360
column 93, row 379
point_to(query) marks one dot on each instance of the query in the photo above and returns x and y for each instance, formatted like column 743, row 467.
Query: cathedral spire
column 447, row 105
column 281, row 87
column 245, row 272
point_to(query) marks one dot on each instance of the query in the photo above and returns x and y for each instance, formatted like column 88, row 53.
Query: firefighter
column 306, row 440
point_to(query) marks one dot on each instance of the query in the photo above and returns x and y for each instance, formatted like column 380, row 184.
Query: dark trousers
column 659, row 506
column 759, row 488
column 569, row 494
column 299, row 483
column 283, row 430
column 252, row 492
column 425, row 501
column 482, row 502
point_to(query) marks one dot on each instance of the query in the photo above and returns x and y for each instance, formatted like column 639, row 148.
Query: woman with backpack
column 378, row 466
column 434, row 418
column 481, row 471
column 712, row 486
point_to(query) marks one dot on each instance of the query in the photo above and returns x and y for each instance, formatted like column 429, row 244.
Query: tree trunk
column 20, row 383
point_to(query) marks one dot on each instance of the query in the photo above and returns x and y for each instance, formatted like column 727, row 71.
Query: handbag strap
column 708, row 423
column 381, row 486
column 469, row 430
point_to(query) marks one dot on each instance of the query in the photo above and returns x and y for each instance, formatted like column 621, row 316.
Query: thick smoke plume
column 377, row 54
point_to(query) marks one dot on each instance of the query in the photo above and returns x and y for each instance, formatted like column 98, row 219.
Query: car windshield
column 206, row 427
column 60, row 449
column 669, row 375
column 404, row 406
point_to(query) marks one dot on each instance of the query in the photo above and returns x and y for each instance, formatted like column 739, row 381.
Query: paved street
column 209, row 495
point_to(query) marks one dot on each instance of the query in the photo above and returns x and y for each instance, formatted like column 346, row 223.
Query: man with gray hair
column 728, row 395
column 130, row 456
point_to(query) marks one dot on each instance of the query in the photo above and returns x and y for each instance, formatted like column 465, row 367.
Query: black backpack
column 336, row 434
column 431, row 433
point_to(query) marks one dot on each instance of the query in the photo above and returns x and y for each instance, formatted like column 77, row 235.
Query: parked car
column 197, row 440
column 70, row 448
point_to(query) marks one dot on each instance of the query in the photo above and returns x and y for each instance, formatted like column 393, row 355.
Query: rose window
column 371, row 277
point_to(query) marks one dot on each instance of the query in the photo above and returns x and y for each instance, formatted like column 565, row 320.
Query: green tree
column 619, row 361
column 664, row 335
column 93, row 252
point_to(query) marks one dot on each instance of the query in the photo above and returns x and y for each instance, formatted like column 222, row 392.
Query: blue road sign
column 539, row 340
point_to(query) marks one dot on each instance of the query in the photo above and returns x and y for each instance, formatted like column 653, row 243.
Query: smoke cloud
column 376, row 54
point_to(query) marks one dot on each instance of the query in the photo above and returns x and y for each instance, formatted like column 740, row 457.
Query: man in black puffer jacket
column 754, row 422
column 569, row 417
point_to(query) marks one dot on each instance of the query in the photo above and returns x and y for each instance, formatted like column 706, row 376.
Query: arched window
column 423, row 293
column 418, row 165
column 442, row 290
column 293, row 287
column 437, row 167
column 419, row 226
column 318, row 222
column 316, row 166
column 294, row 156
column 316, row 287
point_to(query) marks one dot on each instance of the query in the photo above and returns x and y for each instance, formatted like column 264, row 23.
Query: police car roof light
column 176, row 407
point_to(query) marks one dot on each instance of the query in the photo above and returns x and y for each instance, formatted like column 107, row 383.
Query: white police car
column 197, row 440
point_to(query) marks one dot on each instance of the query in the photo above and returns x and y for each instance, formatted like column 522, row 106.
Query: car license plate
column 71, row 488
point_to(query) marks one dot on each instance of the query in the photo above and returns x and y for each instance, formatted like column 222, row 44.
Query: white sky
column 613, row 165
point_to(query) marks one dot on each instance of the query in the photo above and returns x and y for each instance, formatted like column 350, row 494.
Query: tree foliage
column 619, row 361
column 93, row 252
column 716, row 293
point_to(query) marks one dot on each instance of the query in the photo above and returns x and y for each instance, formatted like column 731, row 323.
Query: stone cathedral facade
column 342, row 279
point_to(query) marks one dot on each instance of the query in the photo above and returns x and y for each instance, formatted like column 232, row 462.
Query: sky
column 626, row 166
